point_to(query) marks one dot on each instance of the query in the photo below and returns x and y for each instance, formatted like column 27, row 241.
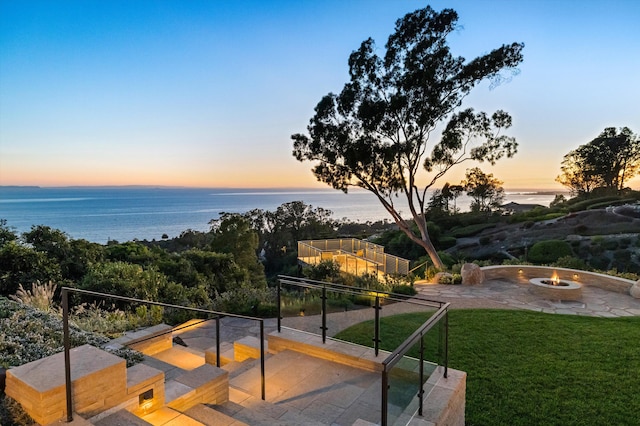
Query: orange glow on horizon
column 269, row 175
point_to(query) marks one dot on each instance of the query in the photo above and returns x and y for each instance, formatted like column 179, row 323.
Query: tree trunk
column 433, row 254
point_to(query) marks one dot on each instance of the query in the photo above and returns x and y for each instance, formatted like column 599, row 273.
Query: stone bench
column 99, row 381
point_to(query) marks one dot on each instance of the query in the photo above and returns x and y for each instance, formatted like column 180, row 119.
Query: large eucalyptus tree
column 376, row 133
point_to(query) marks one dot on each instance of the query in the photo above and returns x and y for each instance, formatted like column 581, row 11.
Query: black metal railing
column 217, row 316
column 438, row 318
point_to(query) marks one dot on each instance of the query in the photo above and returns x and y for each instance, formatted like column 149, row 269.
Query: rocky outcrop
column 634, row 291
column 471, row 274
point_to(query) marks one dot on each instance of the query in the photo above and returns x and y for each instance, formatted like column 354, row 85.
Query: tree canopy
column 486, row 190
column 375, row 133
column 608, row 161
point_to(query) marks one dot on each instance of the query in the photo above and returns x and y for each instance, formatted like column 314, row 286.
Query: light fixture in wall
column 576, row 276
column 520, row 271
column 145, row 399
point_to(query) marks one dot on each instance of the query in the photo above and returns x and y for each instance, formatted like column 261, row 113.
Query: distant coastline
column 525, row 191
column 124, row 213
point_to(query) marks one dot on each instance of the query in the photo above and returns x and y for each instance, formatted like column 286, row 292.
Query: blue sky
column 207, row 93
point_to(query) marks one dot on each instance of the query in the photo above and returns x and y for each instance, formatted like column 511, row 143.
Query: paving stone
column 121, row 418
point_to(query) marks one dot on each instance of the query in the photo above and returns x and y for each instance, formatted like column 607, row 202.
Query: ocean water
column 125, row 214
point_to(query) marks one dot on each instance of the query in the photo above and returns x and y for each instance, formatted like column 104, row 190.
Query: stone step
column 226, row 355
column 253, row 411
column 236, row 368
column 181, row 357
column 168, row 416
column 209, row 416
column 248, row 347
column 205, row 384
column 121, row 418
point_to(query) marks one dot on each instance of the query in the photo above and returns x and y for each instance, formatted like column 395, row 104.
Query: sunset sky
column 208, row 93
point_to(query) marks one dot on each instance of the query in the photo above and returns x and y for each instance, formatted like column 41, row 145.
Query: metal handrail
column 67, row 342
column 404, row 347
column 392, row 359
column 400, row 352
column 309, row 283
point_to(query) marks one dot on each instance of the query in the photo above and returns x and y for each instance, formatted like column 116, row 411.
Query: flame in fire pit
column 555, row 279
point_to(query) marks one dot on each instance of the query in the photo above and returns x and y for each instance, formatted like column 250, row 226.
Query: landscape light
column 146, row 399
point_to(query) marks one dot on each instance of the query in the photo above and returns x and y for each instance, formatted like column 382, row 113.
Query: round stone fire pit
column 556, row 289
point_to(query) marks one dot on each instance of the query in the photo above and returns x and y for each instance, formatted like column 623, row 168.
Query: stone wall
column 523, row 273
column 444, row 405
column 98, row 378
column 149, row 341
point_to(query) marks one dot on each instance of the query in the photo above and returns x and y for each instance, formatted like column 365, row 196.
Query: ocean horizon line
column 516, row 190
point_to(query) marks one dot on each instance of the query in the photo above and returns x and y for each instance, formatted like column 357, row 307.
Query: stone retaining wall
column 99, row 380
column 149, row 341
column 523, row 273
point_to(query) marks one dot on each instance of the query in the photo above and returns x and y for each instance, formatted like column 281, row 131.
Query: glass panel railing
column 376, row 318
column 403, row 390
column 409, row 368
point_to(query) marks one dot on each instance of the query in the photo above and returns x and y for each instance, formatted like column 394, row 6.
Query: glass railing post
column 324, row 314
column 218, row 341
column 67, row 355
column 376, row 326
column 279, row 307
column 446, row 343
column 385, row 397
column 262, row 376
column 421, row 388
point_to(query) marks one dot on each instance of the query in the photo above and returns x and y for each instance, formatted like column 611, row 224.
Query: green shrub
column 363, row 300
column 408, row 290
column 447, row 242
column 586, row 204
column 548, row 216
column 571, row 263
column 601, row 263
column 430, row 272
column 470, row 230
column 485, row 239
column 580, row 229
column 549, row 251
column 610, row 244
column 12, row 413
column 605, row 204
column 450, row 279
column 445, row 279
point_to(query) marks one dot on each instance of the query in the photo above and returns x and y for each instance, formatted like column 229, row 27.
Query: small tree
column 232, row 234
column 375, row 133
column 486, row 191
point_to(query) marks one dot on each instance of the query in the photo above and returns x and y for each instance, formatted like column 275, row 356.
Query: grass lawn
column 529, row 368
